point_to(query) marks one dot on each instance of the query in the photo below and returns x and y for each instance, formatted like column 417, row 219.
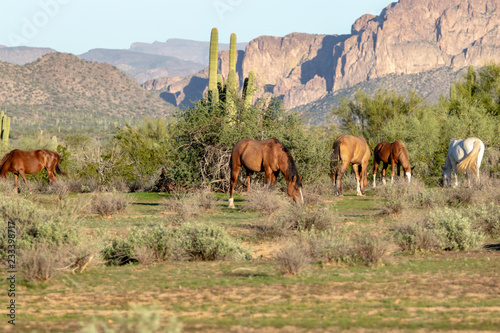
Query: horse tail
column 4, row 160
column 335, row 158
column 59, row 171
column 468, row 164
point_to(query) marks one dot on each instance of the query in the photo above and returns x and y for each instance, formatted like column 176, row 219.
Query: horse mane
column 403, row 156
column 292, row 167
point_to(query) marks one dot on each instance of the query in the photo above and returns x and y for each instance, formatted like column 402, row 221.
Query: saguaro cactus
column 4, row 128
column 213, row 96
column 248, row 88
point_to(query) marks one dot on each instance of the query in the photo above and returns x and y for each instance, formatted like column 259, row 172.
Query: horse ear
column 294, row 179
column 413, row 167
column 300, row 176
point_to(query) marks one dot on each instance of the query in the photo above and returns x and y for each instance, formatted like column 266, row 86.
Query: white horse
column 464, row 156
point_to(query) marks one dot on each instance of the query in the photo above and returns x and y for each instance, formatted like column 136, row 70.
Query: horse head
column 294, row 189
column 409, row 173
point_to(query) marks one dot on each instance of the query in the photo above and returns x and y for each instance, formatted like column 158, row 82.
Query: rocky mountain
column 21, row 55
column 65, row 91
column 407, row 38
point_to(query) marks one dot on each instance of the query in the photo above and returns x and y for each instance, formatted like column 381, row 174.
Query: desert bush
column 455, row 230
column 330, row 246
column 292, row 258
column 202, row 241
column 34, row 224
column 265, row 200
column 370, row 249
column 158, row 240
column 415, row 237
column 108, row 204
column 119, row 252
column 460, row 196
column 190, row 205
column 401, row 196
column 295, row 218
column 40, row 262
column 315, row 191
column 487, row 216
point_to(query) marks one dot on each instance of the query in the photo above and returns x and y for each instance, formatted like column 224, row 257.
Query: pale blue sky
column 77, row 26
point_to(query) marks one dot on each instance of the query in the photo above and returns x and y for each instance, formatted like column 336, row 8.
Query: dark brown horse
column 349, row 149
column 394, row 153
column 270, row 157
column 21, row 162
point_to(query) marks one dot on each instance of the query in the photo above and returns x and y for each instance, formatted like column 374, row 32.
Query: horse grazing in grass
column 349, row 149
column 464, row 156
column 270, row 157
column 21, row 162
column 394, row 153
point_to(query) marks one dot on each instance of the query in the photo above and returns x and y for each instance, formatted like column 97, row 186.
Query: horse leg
column 456, row 175
column 23, row 175
column 234, row 177
column 384, row 170
column 393, row 164
column 249, row 179
column 364, row 177
column 341, row 172
column 356, row 172
column 375, row 169
column 15, row 182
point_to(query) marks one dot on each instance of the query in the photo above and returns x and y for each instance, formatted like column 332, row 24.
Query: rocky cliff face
column 408, row 37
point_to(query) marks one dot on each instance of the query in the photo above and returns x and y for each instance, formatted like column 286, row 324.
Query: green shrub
column 415, row 237
column 330, row 246
column 35, row 225
column 487, row 216
column 119, row 252
column 159, row 240
column 455, row 230
column 206, row 242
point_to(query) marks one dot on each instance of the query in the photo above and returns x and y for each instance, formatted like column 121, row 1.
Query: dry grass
column 265, row 200
column 292, row 259
column 108, row 204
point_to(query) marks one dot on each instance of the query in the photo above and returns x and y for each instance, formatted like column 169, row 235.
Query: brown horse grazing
column 21, row 162
column 269, row 156
column 394, row 153
column 349, row 149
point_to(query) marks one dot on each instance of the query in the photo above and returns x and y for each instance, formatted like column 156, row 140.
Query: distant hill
column 21, row 55
column 184, row 49
column 143, row 66
column 65, row 92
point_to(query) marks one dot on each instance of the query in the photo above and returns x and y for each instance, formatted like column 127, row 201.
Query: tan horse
column 270, row 157
column 21, row 162
column 394, row 153
column 349, row 149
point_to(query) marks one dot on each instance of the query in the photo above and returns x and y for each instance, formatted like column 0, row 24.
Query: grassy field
column 429, row 291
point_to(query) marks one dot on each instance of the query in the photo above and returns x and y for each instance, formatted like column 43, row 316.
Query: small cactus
column 4, row 128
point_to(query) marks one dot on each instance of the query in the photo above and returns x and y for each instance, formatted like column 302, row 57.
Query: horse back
column 250, row 154
column 354, row 149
